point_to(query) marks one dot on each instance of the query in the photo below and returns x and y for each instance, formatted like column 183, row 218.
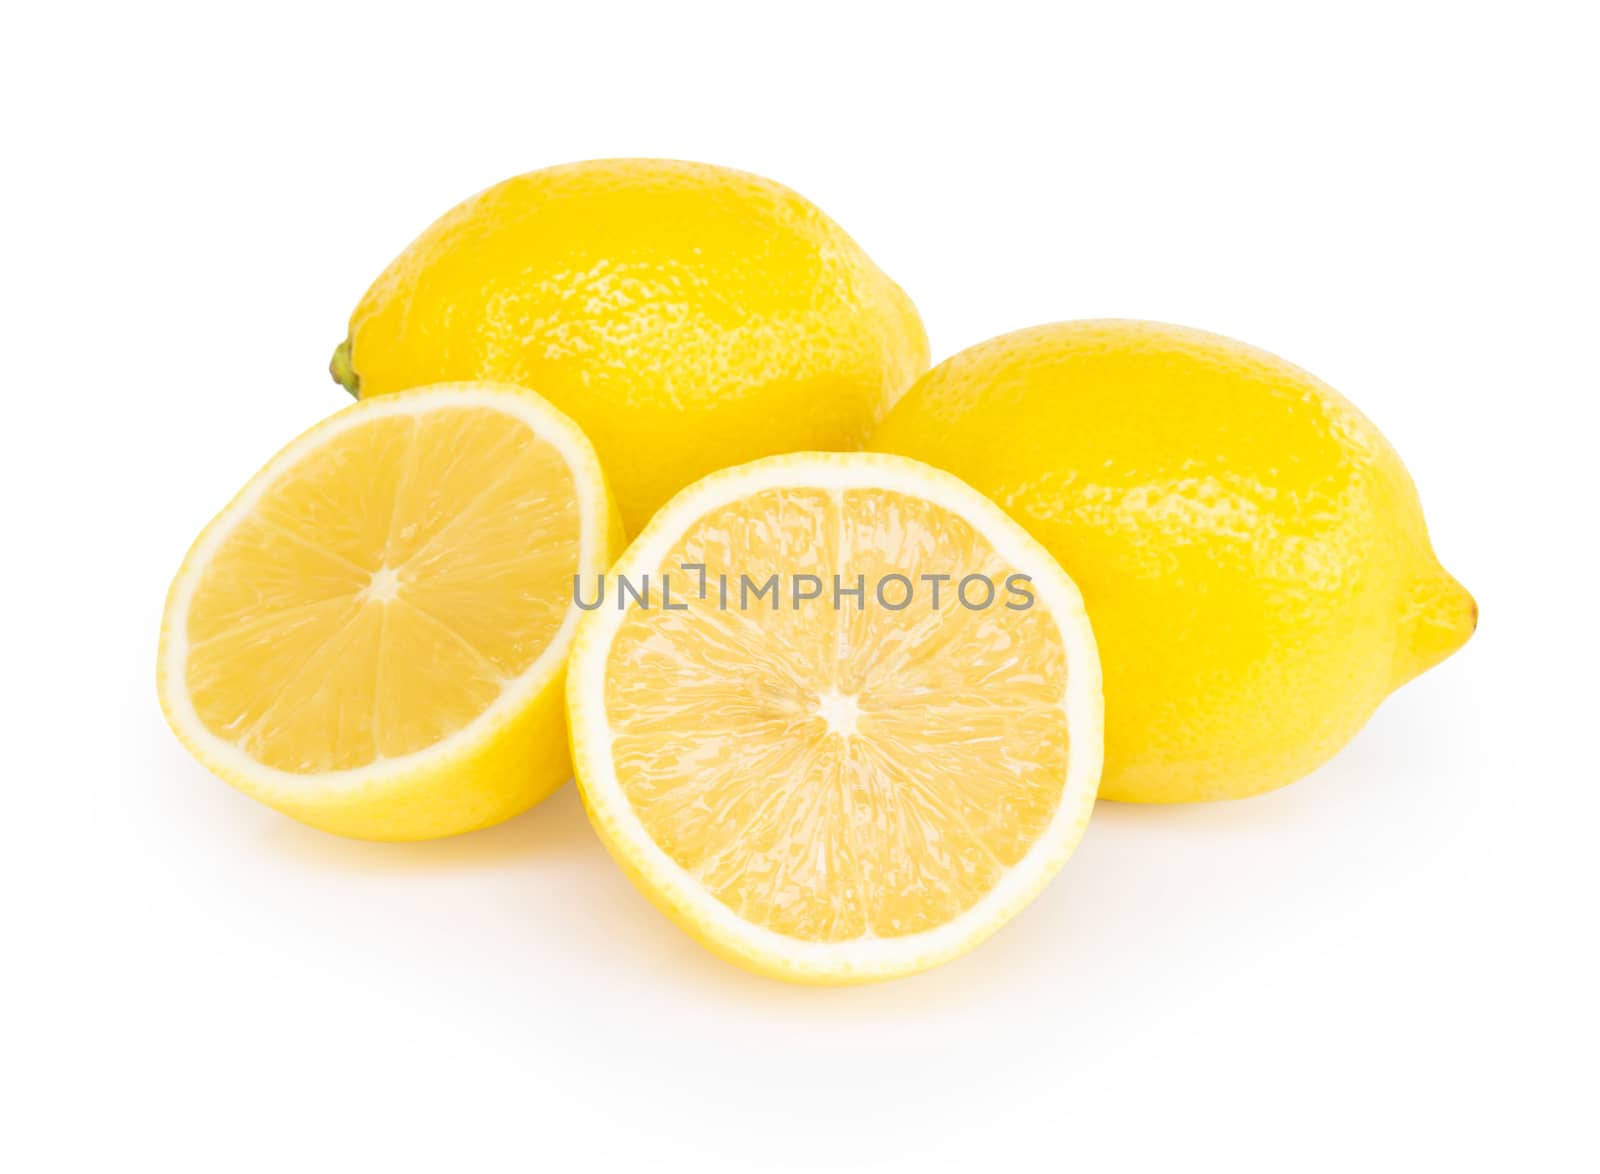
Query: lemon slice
column 824, row 786
column 371, row 636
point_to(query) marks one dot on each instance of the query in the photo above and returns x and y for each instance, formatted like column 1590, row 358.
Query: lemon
column 829, row 787
column 372, row 637
column 1251, row 549
column 688, row 317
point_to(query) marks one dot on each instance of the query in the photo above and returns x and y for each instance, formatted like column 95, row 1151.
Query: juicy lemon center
column 384, row 590
column 839, row 772
column 385, row 585
column 840, row 711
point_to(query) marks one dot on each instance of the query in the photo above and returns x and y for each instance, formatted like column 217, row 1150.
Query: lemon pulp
column 837, row 776
column 358, row 618
column 371, row 636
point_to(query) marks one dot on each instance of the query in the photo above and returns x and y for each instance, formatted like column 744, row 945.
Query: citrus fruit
column 371, row 637
column 688, row 317
column 817, row 762
column 1251, row 549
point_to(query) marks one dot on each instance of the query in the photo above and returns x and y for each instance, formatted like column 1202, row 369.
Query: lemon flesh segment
column 838, row 793
column 352, row 640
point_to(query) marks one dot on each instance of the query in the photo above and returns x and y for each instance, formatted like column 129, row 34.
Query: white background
column 1388, row 965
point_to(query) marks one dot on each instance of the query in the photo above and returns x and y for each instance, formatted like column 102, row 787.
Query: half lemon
column 371, row 637
column 836, row 714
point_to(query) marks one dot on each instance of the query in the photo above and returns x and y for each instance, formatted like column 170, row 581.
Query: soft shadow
column 1369, row 760
column 554, row 829
column 1098, row 918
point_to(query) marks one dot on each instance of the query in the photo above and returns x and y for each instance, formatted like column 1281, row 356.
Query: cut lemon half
column 817, row 767
column 371, row 637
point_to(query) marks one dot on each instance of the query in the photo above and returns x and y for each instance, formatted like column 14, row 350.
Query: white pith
column 864, row 957
column 229, row 760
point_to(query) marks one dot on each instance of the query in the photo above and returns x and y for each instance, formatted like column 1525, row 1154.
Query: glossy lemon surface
column 1251, row 549
column 687, row 316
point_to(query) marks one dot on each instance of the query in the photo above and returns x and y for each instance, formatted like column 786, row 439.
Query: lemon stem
column 342, row 371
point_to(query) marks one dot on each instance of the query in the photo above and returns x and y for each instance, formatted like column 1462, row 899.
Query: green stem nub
column 344, row 374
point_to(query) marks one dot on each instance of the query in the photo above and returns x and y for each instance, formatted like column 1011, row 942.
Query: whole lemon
column 688, row 317
column 1251, row 551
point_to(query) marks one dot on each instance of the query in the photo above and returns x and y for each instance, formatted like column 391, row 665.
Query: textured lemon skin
column 509, row 767
column 1250, row 548
column 687, row 316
